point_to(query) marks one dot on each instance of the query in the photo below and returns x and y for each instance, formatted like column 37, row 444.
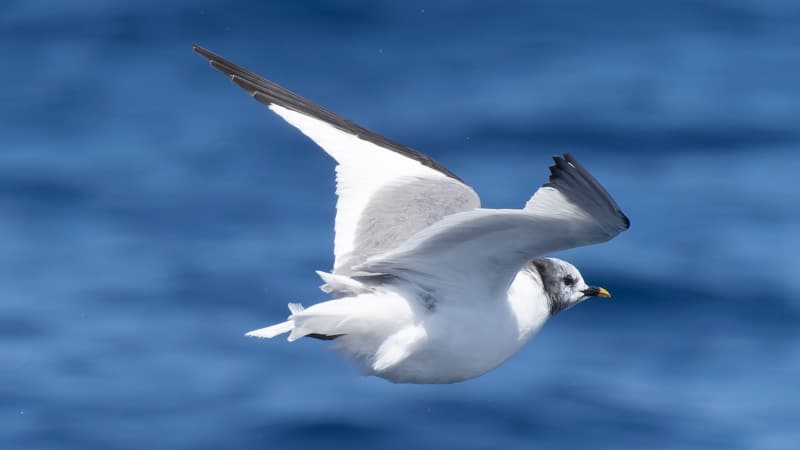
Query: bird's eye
column 568, row 280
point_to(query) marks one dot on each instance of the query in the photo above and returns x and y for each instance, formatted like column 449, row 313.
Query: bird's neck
column 528, row 302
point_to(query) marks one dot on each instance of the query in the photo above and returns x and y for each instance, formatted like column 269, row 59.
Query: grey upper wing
column 476, row 254
column 387, row 192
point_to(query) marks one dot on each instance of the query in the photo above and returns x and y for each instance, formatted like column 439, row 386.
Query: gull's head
column 564, row 285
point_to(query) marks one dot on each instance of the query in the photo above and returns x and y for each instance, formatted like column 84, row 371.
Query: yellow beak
column 594, row 291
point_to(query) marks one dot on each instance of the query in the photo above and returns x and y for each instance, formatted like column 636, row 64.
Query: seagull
column 427, row 286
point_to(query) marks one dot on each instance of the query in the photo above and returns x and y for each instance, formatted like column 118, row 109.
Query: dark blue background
column 150, row 213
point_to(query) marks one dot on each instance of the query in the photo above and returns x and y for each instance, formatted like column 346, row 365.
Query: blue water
column 150, row 213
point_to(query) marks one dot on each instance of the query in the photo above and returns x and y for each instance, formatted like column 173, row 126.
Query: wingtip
column 566, row 169
column 269, row 93
column 626, row 220
column 205, row 53
column 565, row 158
column 555, row 169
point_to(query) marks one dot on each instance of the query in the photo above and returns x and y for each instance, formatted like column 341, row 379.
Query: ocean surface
column 151, row 213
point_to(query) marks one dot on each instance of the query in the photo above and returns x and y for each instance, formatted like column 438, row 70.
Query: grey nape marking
column 551, row 275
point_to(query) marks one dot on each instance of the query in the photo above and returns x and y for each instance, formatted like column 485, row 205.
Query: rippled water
column 150, row 213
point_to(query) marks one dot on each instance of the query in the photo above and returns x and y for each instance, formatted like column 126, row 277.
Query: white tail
column 327, row 315
column 334, row 317
column 280, row 328
column 365, row 315
column 272, row 331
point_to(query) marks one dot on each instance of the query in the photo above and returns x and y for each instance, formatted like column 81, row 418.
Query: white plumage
column 384, row 197
column 426, row 286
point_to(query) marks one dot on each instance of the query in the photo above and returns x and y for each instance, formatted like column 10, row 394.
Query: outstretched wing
column 477, row 254
column 387, row 192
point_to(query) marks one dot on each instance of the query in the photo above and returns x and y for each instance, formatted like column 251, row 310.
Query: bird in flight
column 427, row 286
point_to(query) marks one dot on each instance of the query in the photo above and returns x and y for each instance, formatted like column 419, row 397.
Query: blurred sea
column 150, row 213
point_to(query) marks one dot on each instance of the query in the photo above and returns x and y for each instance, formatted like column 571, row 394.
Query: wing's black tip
column 203, row 52
column 269, row 93
column 569, row 176
column 626, row 220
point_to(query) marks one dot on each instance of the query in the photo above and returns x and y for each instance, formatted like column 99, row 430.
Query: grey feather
column 396, row 212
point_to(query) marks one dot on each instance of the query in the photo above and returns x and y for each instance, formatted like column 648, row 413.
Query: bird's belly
column 459, row 347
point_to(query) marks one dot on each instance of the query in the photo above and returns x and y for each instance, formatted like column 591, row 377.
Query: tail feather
column 332, row 319
column 319, row 325
column 280, row 328
column 272, row 331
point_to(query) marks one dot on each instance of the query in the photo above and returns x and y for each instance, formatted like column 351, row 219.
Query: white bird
column 427, row 286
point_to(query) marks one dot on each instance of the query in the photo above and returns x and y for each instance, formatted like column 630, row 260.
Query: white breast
column 460, row 340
